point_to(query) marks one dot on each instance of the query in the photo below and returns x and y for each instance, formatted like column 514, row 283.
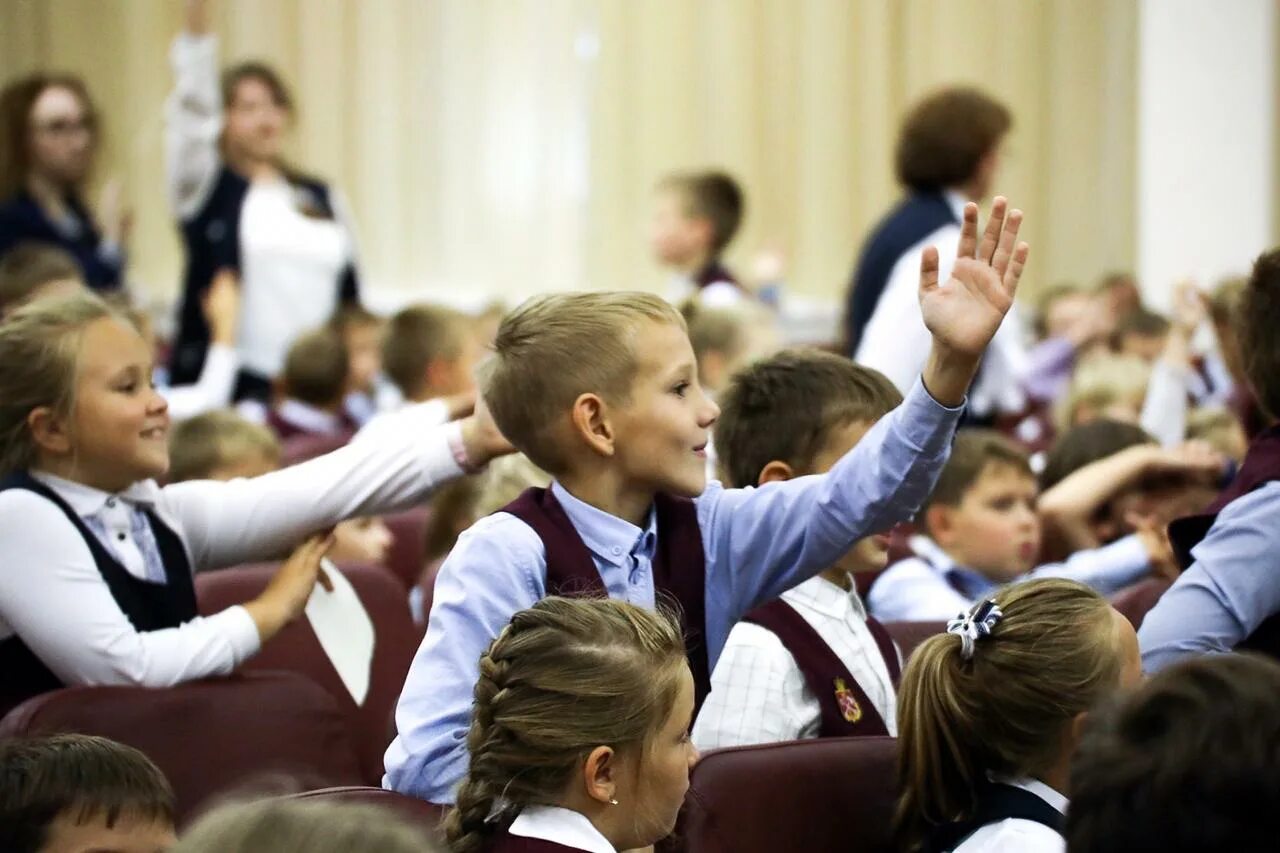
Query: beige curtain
column 493, row 148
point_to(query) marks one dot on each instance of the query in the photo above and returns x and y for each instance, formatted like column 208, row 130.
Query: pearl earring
column 613, row 801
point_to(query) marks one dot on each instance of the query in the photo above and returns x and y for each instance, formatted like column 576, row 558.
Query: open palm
column 964, row 312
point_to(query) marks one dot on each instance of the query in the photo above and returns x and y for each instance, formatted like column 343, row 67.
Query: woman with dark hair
column 48, row 139
column 245, row 213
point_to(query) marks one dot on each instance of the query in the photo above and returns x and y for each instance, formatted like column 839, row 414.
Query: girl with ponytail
column 989, row 714
column 579, row 737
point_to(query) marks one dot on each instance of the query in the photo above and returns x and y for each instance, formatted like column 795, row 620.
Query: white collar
column 560, row 826
column 1040, row 789
column 308, row 417
column 818, row 593
column 956, row 200
column 86, row 500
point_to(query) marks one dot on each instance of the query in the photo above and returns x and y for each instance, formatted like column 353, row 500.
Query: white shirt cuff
column 241, row 632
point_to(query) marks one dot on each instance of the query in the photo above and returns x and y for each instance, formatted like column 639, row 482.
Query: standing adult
column 948, row 154
column 245, row 212
column 47, row 148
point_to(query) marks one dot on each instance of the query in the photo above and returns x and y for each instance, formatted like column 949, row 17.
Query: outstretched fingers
column 991, row 236
column 968, row 232
column 1008, row 237
column 929, row 269
column 1013, row 274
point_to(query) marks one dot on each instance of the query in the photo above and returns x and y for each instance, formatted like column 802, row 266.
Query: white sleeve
column 754, row 692
column 211, row 391
column 193, row 123
column 911, row 591
column 264, row 517
column 1164, row 410
column 55, row 600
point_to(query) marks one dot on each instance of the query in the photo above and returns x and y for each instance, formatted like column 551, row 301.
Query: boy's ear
column 938, row 522
column 775, row 471
column 599, row 774
column 591, row 422
column 49, row 431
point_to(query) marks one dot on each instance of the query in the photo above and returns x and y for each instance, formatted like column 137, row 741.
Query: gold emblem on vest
column 845, row 701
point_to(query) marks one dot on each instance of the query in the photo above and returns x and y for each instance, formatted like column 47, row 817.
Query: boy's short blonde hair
column 199, row 446
column 1104, row 382
column 417, row 336
column 554, row 348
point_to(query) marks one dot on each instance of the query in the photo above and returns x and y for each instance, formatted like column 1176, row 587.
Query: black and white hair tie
column 974, row 625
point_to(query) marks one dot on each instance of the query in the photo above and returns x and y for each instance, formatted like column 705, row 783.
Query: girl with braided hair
column 989, row 714
column 579, row 737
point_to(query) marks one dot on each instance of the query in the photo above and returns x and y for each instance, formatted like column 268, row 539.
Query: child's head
column 584, row 704
column 31, row 271
column 315, row 370
column 76, row 398
column 1142, row 334
column 1186, row 762
column 221, row 445
column 696, row 215
column 1220, row 429
column 1109, row 386
column 726, row 338
column 1059, row 308
column 431, row 351
column 1224, row 305
column 983, row 509
column 361, row 332
column 1121, row 291
column 78, row 793
column 796, row 413
column 1010, row 707
column 298, row 826
column 588, row 382
column 951, row 140
column 1257, row 321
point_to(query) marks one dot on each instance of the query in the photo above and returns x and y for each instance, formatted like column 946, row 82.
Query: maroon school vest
column 679, row 566
column 286, row 429
column 713, row 272
column 505, row 842
column 846, row 709
column 1261, row 466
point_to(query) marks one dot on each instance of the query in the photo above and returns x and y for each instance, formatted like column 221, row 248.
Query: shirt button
column 111, row 502
column 616, row 550
column 120, row 536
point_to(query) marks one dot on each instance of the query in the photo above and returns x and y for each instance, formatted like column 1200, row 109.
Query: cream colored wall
column 504, row 146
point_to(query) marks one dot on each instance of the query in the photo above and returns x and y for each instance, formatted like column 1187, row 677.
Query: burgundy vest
column 1261, row 466
column 713, row 272
column 679, row 566
column 505, row 842
column 286, row 429
column 846, row 709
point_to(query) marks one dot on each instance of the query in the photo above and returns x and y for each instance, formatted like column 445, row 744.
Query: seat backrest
column 297, row 649
column 420, row 813
column 826, row 794
column 1136, row 600
column 908, row 635
column 408, row 550
column 209, row 737
column 301, row 448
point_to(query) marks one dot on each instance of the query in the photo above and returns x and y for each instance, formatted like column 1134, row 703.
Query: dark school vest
column 996, row 803
column 846, row 709
column 23, row 220
column 915, row 218
column 148, row 606
column 505, row 842
column 679, row 566
column 713, row 272
column 1261, row 466
column 211, row 240
column 286, row 429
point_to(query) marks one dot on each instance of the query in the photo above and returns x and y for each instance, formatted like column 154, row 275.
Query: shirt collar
column 973, row 583
column 86, row 500
column 308, row 417
column 608, row 537
column 820, row 594
column 1040, row 789
column 560, row 826
column 956, row 200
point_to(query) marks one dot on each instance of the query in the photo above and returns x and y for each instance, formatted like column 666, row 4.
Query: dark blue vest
column 212, row 242
column 23, row 220
column 915, row 218
column 996, row 803
column 148, row 606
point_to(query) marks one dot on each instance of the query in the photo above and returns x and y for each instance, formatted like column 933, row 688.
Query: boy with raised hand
column 601, row 390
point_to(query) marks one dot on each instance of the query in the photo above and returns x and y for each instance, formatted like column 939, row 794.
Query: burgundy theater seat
column 406, row 556
column 209, row 737
column 418, row 812
column 297, row 649
column 908, row 635
column 828, row 795
column 1136, row 600
column 301, row 448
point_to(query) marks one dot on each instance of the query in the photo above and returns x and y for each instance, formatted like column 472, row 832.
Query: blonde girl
column 580, row 734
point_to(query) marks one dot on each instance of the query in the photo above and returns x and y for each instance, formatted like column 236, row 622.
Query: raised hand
column 221, row 307
column 964, row 312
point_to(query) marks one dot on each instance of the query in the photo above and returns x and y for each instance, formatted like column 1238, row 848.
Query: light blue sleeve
column 912, row 591
column 1107, row 569
column 1232, row 587
column 496, row 569
column 763, row 541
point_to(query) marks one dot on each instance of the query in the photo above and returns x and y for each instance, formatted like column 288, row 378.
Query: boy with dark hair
column 984, row 531
column 76, row 792
column 695, row 218
column 1183, row 764
column 1229, row 595
column 601, row 391
column 811, row 663
column 313, row 387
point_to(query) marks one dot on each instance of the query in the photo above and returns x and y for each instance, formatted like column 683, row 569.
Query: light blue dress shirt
column 1228, row 592
column 758, row 544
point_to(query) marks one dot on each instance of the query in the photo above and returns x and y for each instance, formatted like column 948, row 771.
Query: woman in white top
column 989, row 714
column 244, row 212
column 97, row 558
